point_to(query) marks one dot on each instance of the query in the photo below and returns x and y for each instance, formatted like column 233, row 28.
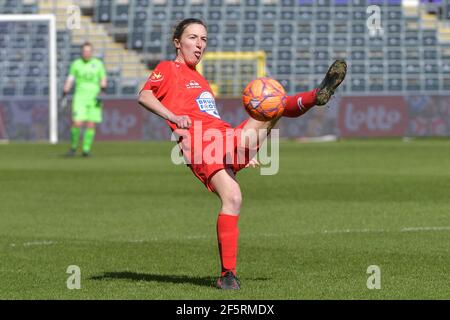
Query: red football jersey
column 184, row 91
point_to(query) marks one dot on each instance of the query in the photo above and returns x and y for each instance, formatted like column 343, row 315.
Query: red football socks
column 299, row 104
column 227, row 236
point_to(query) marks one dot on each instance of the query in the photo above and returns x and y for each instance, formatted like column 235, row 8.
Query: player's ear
column 176, row 43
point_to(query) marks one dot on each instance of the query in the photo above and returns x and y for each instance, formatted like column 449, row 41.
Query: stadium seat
column 357, row 68
column 322, row 41
column 112, row 86
column 213, row 28
column 359, row 28
column 179, row 15
column 323, row 3
column 284, row 69
column 302, row 68
column 233, row 14
column 358, row 41
column 395, row 54
column 137, row 40
column 178, row 3
column 285, row 41
column 430, row 54
column 446, row 83
column 284, row 55
column 358, row 55
column 412, row 68
column 120, row 15
column 287, row 15
column 412, row 53
column 251, row 15
column 288, row 3
column 103, row 11
column 321, row 68
column 394, row 27
column 395, row 68
column 413, row 84
column 269, row 15
column 394, row 41
column 358, row 84
column 286, row 83
column 376, row 84
column 159, row 15
column 395, row 84
column 341, row 15
column 430, row 68
column 10, row 88
column 432, row 84
column 31, row 88
column 321, row 54
column 376, row 68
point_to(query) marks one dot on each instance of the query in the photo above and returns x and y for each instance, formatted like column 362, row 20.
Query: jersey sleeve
column 159, row 80
column 73, row 69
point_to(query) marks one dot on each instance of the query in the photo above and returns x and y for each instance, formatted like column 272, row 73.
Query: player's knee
column 234, row 201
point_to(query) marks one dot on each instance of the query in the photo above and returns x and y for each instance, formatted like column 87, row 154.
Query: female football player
column 176, row 92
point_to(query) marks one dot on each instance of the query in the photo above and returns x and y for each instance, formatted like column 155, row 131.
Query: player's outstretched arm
column 68, row 85
column 151, row 103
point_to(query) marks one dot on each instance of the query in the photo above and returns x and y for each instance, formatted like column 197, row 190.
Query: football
column 264, row 99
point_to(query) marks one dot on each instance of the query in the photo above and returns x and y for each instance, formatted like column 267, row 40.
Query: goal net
column 28, row 62
column 229, row 72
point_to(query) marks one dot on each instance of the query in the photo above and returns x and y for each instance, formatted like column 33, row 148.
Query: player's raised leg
column 297, row 105
column 300, row 103
column 229, row 192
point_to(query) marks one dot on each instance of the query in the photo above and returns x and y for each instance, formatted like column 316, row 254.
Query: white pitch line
column 411, row 229
column 352, row 231
column 198, row 237
column 425, row 229
column 34, row 243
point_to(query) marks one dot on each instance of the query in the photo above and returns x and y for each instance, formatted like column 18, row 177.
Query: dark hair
column 179, row 29
column 86, row 44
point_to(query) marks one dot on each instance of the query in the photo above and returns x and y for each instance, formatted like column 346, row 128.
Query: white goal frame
column 53, row 100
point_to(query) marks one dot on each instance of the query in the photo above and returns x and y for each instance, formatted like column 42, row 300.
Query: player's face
column 86, row 52
column 192, row 44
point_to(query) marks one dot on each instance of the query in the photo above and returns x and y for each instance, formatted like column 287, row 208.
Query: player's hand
column 253, row 163
column 101, row 98
column 182, row 122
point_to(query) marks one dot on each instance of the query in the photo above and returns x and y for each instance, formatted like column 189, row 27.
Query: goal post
column 229, row 72
column 52, row 56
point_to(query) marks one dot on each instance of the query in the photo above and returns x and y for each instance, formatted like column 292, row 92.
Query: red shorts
column 218, row 153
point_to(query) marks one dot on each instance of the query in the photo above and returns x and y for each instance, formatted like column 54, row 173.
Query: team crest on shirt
column 156, row 76
column 206, row 103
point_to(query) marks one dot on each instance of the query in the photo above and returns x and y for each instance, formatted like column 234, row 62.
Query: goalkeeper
column 89, row 75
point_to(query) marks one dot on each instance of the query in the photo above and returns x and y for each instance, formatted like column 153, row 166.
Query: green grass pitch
column 140, row 227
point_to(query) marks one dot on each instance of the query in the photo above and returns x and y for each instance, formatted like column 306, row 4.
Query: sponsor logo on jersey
column 193, row 85
column 156, row 76
column 206, row 103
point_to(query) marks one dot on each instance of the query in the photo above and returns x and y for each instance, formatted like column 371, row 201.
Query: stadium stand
column 300, row 38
